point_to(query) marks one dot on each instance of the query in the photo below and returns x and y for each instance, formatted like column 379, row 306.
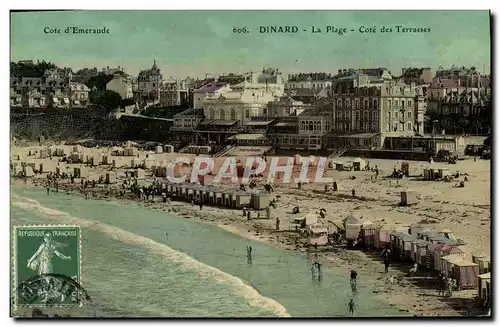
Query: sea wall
column 91, row 123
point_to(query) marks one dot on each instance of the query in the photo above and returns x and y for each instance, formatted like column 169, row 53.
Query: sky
column 195, row 43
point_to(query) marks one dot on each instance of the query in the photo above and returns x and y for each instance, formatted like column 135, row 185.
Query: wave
column 254, row 298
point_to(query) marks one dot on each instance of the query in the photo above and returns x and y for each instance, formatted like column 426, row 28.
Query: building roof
column 405, row 237
column 439, row 83
column 210, row 87
column 191, row 112
column 485, row 276
column 248, row 137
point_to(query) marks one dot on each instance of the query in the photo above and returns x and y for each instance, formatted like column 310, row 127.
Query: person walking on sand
column 313, row 270
column 319, row 270
column 354, row 275
column 248, row 215
column 48, row 191
column 277, row 224
column 386, row 264
column 351, row 307
column 353, row 193
column 335, row 187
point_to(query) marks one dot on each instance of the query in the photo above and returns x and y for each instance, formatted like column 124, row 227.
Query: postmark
column 47, row 266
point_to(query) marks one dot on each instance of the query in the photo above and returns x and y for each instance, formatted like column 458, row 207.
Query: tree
column 21, row 69
column 109, row 100
column 99, row 81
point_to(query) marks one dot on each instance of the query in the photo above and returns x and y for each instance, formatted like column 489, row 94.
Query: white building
column 121, row 85
column 213, row 89
column 79, row 94
column 242, row 102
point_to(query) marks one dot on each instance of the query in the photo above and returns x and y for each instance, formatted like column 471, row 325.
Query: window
column 222, row 115
column 348, row 104
column 403, row 104
column 264, row 111
column 357, row 104
column 370, row 105
column 375, row 104
column 375, row 115
column 361, row 105
column 212, row 113
column 396, row 115
column 388, row 127
column 366, row 104
column 233, row 114
column 247, row 113
column 390, row 104
column 217, row 114
column 409, row 103
column 409, row 126
column 409, row 114
column 310, row 125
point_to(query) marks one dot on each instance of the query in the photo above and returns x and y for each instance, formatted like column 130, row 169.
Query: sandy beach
column 465, row 211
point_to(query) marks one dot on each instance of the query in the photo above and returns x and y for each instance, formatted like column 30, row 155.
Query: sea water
column 139, row 262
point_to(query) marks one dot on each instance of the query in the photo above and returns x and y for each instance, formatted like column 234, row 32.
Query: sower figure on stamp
column 41, row 260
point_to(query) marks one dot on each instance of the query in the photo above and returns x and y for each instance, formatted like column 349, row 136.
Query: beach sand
column 465, row 211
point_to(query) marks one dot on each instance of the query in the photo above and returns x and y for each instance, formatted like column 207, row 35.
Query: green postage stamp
column 46, row 265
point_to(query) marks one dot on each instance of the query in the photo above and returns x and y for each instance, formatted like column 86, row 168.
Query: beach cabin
column 421, row 252
column 318, row 234
column 77, row 148
column 359, row 164
column 368, row 233
column 465, row 272
column 44, row 153
column 416, row 229
column 168, row 148
column 443, row 172
column 449, row 252
column 418, row 249
column 138, row 173
column 430, row 174
column 383, row 236
column 401, row 245
column 430, row 255
column 80, row 172
column 158, row 149
column 227, row 198
column 110, row 178
column 483, row 261
column 352, row 228
column 242, row 199
column 335, row 227
column 484, row 286
column 260, row 200
column 130, row 152
column 28, row 171
column 408, row 197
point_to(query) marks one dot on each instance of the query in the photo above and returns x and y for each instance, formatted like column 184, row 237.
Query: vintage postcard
column 250, row 164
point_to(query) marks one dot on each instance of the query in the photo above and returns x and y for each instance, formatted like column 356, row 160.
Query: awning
column 77, row 102
column 56, row 100
column 283, row 124
column 249, row 137
column 359, row 136
column 258, row 123
column 206, row 122
column 223, row 122
column 66, row 100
